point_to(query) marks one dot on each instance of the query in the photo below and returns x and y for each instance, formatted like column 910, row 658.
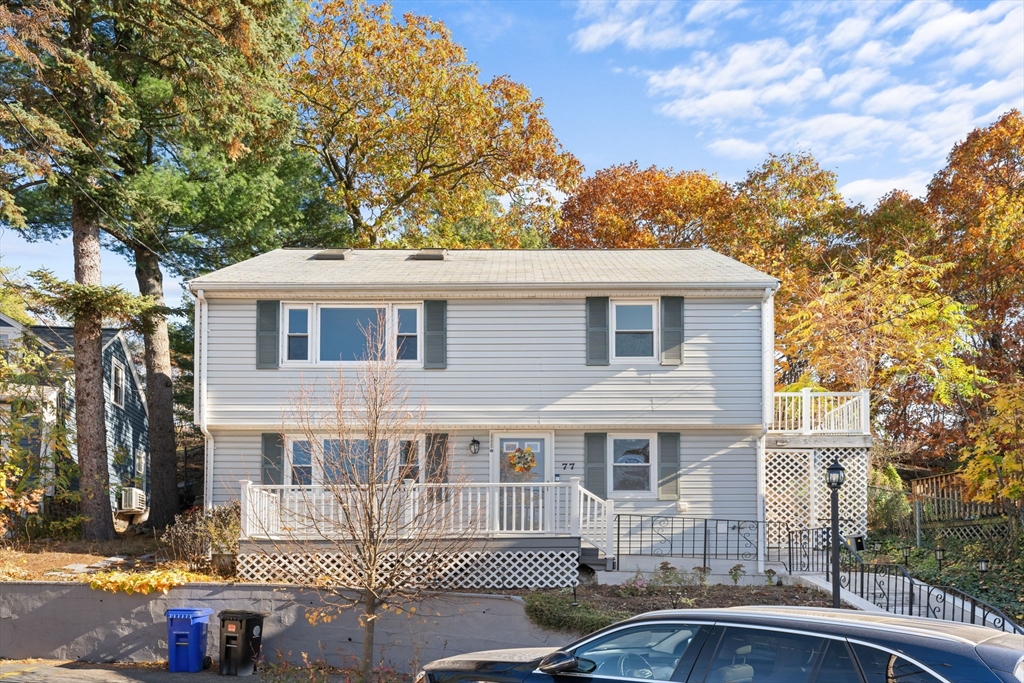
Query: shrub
column 556, row 613
column 737, row 572
column 635, row 586
column 197, row 533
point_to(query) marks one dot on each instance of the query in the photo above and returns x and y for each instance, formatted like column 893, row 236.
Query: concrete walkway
column 40, row 671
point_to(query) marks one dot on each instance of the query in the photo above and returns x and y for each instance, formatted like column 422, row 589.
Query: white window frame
column 652, row 493
column 314, row 309
column 285, row 309
column 653, row 359
column 114, row 367
column 316, row 476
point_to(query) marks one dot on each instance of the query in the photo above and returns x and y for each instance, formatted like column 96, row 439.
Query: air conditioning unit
column 133, row 500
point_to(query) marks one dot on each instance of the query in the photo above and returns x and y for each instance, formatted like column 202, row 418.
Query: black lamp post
column 835, row 475
column 906, row 556
column 940, row 554
column 982, row 569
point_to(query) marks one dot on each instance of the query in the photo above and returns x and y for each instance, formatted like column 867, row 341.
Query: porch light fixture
column 474, row 447
column 835, row 475
column 906, row 555
column 940, row 554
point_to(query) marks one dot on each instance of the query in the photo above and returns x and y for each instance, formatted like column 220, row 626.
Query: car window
column 745, row 655
column 837, row 665
column 884, row 667
column 649, row 652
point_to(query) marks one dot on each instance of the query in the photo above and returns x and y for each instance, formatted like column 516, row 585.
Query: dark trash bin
column 186, row 638
column 241, row 633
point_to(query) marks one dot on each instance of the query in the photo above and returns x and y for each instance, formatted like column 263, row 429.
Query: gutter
column 199, row 407
column 518, row 287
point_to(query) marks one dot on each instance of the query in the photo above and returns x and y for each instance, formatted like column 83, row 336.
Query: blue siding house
column 127, row 417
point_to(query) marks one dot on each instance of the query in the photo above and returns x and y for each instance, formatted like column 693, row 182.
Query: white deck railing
column 302, row 513
column 813, row 412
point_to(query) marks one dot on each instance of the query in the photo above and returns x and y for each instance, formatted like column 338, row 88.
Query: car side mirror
column 557, row 662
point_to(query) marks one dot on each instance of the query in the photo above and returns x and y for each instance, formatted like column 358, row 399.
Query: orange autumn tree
column 626, row 207
column 410, row 136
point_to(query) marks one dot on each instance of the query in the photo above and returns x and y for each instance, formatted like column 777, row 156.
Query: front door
column 522, row 460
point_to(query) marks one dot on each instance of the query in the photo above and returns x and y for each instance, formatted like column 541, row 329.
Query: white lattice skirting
column 797, row 496
column 508, row 569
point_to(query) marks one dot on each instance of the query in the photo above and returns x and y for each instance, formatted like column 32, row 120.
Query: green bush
column 556, row 613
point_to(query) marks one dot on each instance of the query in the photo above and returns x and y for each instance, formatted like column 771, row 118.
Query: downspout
column 767, row 406
column 200, row 404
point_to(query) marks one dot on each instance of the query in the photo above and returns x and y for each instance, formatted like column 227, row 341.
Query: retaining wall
column 72, row 621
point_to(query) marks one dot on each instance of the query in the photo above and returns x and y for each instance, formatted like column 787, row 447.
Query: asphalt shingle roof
column 547, row 267
column 62, row 338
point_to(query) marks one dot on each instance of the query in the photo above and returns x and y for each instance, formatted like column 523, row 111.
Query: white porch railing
column 814, row 412
column 301, row 513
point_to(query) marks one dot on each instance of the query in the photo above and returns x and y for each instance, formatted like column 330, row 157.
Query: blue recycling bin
column 186, row 638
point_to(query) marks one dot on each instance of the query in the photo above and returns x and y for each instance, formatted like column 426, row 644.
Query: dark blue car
column 756, row 645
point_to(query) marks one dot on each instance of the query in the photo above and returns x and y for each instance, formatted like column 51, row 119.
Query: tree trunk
column 370, row 623
column 89, row 381
column 163, row 477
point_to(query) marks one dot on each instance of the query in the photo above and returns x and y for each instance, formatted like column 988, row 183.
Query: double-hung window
column 117, row 384
column 632, row 464
column 634, row 330
column 352, row 461
column 332, row 333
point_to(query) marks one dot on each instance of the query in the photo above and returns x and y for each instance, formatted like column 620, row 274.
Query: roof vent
column 332, row 255
column 430, row 254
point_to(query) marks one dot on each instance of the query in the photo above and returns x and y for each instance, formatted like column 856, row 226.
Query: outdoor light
column 835, row 475
column 940, row 553
column 982, row 568
column 906, row 555
column 474, row 446
column 878, row 547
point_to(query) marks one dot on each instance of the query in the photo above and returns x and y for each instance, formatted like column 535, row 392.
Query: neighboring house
column 641, row 380
column 125, row 410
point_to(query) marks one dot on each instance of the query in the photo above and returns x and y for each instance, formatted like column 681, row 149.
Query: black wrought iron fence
column 708, row 539
column 952, row 604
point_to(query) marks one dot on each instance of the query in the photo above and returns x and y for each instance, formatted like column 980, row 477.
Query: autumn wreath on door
column 522, row 460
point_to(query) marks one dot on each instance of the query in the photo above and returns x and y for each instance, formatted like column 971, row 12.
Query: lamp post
column 982, row 569
column 835, row 475
column 940, row 554
column 906, row 556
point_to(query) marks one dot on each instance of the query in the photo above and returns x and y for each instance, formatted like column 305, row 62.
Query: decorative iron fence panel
column 670, row 536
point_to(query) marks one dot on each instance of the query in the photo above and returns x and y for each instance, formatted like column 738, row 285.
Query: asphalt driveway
column 39, row 671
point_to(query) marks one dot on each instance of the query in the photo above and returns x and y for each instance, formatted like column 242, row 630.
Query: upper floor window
column 634, row 329
column 117, row 380
column 329, row 333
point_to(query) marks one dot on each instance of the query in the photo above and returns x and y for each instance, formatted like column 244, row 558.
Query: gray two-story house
column 639, row 383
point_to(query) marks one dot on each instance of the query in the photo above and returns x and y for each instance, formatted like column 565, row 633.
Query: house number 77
column 568, row 465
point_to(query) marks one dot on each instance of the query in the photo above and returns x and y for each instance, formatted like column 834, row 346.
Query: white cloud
column 868, row 191
column 899, row 99
column 739, row 149
column 848, row 33
column 704, row 10
column 636, row 25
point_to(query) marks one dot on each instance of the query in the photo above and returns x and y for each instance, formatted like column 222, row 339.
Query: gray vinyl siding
column 127, row 426
column 520, row 362
column 717, row 469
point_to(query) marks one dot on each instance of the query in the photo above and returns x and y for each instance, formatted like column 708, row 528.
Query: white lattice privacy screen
column 796, row 495
column 503, row 569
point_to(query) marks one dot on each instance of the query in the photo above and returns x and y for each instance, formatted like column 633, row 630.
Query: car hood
column 492, row 660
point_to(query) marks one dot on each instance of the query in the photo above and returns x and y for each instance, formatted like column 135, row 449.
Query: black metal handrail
column 949, row 602
column 670, row 536
column 887, row 586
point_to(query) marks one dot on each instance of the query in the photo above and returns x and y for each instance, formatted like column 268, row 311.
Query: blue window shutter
column 268, row 338
column 671, row 330
column 668, row 466
column 597, row 330
column 436, row 459
column 595, row 463
column 272, row 465
column 435, row 335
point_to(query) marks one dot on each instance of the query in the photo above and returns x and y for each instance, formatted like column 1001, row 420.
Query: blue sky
column 878, row 92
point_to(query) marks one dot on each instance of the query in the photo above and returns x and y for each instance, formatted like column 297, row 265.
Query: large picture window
column 634, row 326
column 334, row 461
column 632, row 467
column 333, row 333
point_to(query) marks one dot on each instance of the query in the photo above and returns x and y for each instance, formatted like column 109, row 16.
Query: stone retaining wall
column 72, row 621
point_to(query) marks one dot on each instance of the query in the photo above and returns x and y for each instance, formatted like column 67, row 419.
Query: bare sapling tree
column 369, row 500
